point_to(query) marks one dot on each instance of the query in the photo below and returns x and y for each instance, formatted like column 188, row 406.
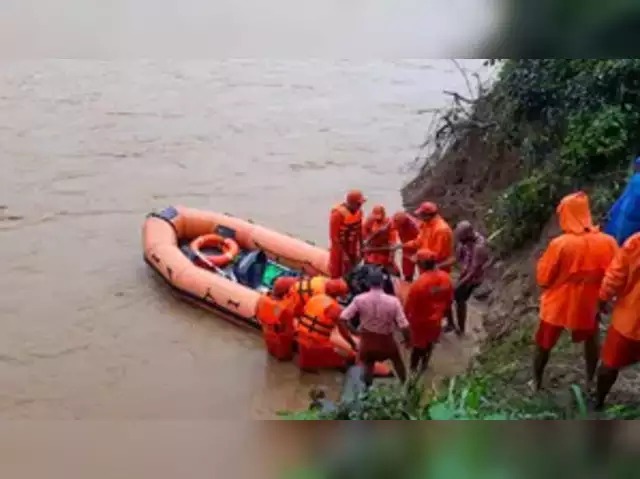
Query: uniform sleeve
column 350, row 311
column 411, row 303
column 547, row 268
column 616, row 276
column 359, row 236
column 401, row 319
column 335, row 223
column 414, row 244
column 365, row 229
column 394, row 237
column 333, row 312
column 443, row 244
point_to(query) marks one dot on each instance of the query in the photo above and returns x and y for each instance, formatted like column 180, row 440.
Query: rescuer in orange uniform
column 315, row 326
column 380, row 240
column 622, row 345
column 408, row 230
column 435, row 235
column 570, row 273
column 428, row 300
column 304, row 289
column 275, row 314
column 345, row 233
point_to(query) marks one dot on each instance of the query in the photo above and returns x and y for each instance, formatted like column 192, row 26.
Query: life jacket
column 303, row 290
column 314, row 324
column 351, row 228
column 277, row 326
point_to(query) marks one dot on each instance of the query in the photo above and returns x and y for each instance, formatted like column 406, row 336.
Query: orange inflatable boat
column 225, row 263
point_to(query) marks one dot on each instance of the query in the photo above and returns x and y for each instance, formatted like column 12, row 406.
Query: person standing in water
column 345, row 234
column 380, row 240
column 380, row 315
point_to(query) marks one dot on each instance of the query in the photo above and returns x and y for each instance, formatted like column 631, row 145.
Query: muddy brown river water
column 87, row 148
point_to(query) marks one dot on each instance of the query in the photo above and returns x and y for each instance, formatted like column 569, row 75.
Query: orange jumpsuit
column 570, row 272
column 381, row 234
column 408, row 230
column 345, row 232
column 276, row 318
column 428, row 299
column 622, row 281
column 435, row 235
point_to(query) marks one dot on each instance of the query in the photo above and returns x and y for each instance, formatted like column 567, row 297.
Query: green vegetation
column 574, row 125
column 473, row 397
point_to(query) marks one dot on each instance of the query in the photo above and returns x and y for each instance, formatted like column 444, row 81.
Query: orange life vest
column 270, row 311
column 351, row 228
column 303, row 290
column 314, row 324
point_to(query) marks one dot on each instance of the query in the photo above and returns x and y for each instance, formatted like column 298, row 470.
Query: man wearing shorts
column 570, row 273
column 622, row 345
column 428, row 300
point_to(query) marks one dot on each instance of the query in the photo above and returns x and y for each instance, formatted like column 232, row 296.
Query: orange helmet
column 355, row 197
column 336, row 288
column 427, row 208
column 378, row 212
column 282, row 285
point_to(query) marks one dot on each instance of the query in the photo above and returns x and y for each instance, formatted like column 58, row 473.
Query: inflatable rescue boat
column 224, row 263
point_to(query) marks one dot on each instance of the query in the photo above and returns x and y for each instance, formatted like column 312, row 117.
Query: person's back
column 378, row 311
column 622, row 281
column 380, row 315
column 321, row 313
column 621, row 347
column 304, row 289
column 429, row 297
column 274, row 311
column 573, row 266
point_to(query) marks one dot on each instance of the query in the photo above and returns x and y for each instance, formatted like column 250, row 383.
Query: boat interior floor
column 251, row 268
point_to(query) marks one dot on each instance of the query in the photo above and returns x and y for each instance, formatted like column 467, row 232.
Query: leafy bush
column 571, row 121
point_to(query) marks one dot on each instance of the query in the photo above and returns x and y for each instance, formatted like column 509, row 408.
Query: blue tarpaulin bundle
column 624, row 215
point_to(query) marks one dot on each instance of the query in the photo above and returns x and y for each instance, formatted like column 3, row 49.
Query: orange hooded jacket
column 572, row 268
column 622, row 281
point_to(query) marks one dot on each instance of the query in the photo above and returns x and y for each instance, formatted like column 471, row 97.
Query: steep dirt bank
column 464, row 183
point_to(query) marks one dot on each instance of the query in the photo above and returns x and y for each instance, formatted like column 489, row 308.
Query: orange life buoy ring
column 229, row 247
